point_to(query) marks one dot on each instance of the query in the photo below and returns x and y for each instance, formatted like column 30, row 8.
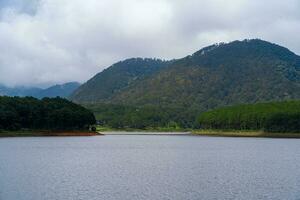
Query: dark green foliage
column 93, row 128
column 283, row 122
column 240, row 72
column 270, row 117
column 116, row 78
column 147, row 117
column 48, row 113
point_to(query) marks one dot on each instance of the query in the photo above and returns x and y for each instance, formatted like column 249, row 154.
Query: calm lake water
column 134, row 167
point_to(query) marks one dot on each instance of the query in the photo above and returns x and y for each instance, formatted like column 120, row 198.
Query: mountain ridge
column 117, row 77
column 61, row 90
column 219, row 73
column 238, row 72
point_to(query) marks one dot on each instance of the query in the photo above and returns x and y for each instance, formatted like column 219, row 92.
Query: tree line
column 142, row 117
column 269, row 117
column 46, row 114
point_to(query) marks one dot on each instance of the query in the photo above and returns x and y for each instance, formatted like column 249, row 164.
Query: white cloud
column 54, row 41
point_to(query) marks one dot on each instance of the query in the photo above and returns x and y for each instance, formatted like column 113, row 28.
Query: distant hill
column 246, row 71
column 111, row 81
column 19, row 91
column 63, row 90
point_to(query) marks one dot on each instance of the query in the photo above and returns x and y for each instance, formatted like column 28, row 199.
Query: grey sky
column 55, row 41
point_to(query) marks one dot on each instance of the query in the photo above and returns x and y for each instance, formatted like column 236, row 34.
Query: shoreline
column 144, row 133
column 208, row 133
column 48, row 134
column 244, row 134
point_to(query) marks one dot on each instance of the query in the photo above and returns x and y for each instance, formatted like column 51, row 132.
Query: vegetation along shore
column 272, row 119
column 239, row 133
column 278, row 119
column 28, row 116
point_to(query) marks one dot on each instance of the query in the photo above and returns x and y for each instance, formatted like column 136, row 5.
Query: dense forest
column 148, row 93
column 47, row 114
column 239, row 72
column 146, row 117
column 269, row 117
column 116, row 78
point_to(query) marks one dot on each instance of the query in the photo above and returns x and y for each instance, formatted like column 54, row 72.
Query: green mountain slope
column 240, row 72
column 116, row 78
column 246, row 71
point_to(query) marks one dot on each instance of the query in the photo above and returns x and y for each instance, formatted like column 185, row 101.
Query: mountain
column 238, row 72
column 19, row 91
column 116, row 78
column 63, row 90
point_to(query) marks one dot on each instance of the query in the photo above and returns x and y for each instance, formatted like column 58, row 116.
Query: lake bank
column 143, row 133
column 212, row 133
column 46, row 133
column 148, row 129
column 221, row 133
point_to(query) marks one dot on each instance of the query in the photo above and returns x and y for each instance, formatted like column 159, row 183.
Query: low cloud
column 54, row 41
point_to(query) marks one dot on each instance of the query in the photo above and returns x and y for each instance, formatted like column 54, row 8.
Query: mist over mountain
column 19, row 91
column 63, row 90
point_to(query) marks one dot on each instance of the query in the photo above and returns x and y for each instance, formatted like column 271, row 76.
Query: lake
column 133, row 167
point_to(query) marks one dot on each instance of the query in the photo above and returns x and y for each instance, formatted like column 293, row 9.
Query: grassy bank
column 238, row 133
column 148, row 129
column 42, row 133
column 208, row 132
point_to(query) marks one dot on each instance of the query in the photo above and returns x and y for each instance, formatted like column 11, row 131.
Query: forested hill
column 246, row 71
column 117, row 78
column 239, row 72
column 46, row 114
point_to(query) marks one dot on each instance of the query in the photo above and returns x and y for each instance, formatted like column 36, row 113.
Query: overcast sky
column 54, row 41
